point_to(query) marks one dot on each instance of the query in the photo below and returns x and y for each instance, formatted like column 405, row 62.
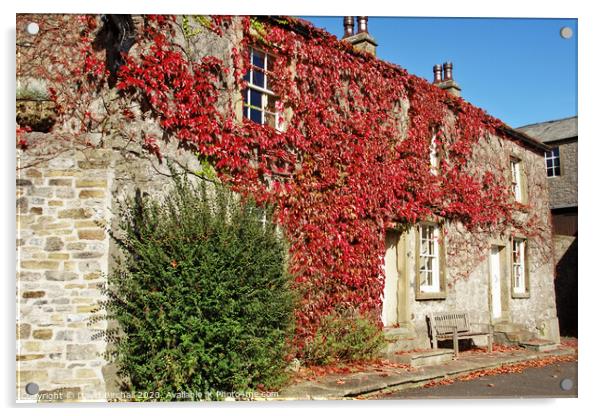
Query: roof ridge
column 547, row 122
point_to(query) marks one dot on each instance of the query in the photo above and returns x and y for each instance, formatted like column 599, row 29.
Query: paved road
column 532, row 382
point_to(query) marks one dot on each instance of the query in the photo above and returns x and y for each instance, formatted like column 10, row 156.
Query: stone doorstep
column 400, row 339
column 374, row 383
column 512, row 337
column 540, row 345
column 423, row 358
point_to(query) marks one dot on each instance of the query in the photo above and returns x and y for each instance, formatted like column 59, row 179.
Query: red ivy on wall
column 352, row 161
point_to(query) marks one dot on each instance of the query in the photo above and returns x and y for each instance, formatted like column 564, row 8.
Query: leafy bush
column 201, row 295
column 344, row 336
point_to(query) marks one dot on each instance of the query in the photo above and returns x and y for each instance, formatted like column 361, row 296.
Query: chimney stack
column 349, row 26
column 448, row 82
column 361, row 40
column 437, row 72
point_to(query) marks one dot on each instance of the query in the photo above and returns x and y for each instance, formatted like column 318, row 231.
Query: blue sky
column 519, row 70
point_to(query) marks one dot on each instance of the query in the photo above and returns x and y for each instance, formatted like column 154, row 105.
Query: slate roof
column 550, row 131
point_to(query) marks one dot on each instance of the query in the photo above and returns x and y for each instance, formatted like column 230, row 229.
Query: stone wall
column 566, row 283
column 467, row 258
column 563, row 188
column 62, row 256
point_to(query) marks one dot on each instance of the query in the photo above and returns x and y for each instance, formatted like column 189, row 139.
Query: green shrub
column 201, row 295
column 344, row 336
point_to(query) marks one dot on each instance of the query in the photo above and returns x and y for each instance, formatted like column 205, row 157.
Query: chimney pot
column 362, row 24
column 361, row 41
column 447, row 69
column 348, row 25
column 447, row 84
column 437, row 71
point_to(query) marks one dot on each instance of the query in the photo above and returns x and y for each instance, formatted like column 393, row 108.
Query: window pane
column 247, row 76
column 256, row 116
column 427, row 232
column 431, row 247
column 256, row 98
column 423, row 278
column 557, row 171
column 423, row 263
column 257, row 59
column 259, row 79
column 515, row 167
column 424, row 248
column 556, row 151
column 549, row 163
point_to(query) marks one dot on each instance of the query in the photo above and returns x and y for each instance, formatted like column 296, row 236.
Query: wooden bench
column 455, row 326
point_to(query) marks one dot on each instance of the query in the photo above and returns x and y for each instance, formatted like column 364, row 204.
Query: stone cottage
column 562, row 171
column 67, row 191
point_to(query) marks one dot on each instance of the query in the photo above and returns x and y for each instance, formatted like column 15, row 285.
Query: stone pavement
column 337, row 386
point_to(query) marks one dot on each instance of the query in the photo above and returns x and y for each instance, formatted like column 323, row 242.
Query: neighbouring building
column 561, row 168
column 505, row 279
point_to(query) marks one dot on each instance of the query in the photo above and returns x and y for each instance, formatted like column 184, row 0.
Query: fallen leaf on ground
column 506, row 369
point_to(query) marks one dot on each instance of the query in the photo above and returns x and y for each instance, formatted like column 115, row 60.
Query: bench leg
column 434, row 343
column 456, row 346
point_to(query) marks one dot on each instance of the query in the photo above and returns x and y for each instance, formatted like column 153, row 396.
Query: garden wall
column 62, row 256
column 65, row 196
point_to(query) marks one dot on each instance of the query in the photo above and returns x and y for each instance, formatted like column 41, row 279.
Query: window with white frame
column 429, row 262
column 515, row 167
column 259, row 101
column 519, row 275
column 553, row 162
column 434, row 155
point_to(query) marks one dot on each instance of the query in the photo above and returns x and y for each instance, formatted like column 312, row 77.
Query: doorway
column 498, row 283
column 395, row 310
column 495, row 284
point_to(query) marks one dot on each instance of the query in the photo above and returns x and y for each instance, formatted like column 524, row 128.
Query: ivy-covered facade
column 398, row 198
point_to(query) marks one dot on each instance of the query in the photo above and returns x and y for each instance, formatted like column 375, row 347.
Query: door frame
column 402, row 300
column 404, row 317
column 504, row 282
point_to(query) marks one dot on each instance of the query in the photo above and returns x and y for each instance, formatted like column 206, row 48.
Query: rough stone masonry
column 62, row 258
